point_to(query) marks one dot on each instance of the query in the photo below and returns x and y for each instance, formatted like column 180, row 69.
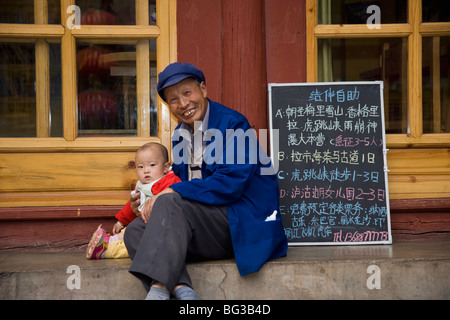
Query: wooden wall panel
column 418, row 173
column 421, row 219
column 51, row 235
column 244, row 60
column 33, row 172
column 199, row 40
column 19, row 199
column 419, row 186
column 285, row 41
column 419, row 161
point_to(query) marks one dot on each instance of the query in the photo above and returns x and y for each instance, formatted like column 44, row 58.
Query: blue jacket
column 250, row 197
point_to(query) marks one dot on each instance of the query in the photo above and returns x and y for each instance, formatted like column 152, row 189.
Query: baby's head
column 152, row 162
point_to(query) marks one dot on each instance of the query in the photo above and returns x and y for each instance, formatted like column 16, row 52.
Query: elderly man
column 226, row 205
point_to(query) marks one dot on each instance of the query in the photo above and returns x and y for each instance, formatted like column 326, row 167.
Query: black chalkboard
column 329, row 152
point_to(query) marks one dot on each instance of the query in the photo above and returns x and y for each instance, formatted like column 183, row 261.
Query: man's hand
column 147, row 209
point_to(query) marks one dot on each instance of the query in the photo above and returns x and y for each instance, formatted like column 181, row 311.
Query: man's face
column 187, row 101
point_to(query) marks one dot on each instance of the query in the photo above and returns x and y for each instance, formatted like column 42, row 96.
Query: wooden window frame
column 414, row 29
column 40, row 32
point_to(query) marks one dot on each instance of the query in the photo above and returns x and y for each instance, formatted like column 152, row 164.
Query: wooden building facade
column 77, row 96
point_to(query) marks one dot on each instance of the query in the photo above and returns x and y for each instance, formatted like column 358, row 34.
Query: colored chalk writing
column 331, row 158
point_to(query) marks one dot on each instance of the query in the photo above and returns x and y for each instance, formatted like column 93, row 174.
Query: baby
column 154, row 175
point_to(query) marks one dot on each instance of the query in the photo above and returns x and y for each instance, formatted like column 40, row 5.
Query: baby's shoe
column 98, row 244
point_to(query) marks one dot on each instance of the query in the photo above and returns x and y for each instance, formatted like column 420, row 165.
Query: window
column 78, row 97
column 81, row 70
column 405, row 43
column 435, row 84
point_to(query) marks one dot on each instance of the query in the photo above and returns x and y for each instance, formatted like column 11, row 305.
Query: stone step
column 399, row 271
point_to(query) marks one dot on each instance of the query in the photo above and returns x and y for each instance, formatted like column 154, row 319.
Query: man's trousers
column 178, row 231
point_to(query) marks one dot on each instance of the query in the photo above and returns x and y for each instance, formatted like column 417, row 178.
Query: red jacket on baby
column 126, row 214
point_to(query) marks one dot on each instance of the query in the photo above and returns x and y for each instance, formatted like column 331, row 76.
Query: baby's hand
column 117, row 227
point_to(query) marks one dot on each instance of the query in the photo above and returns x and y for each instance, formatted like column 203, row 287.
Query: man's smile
column 189, row 112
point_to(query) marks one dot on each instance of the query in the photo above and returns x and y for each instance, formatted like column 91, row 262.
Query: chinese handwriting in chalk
column 330, row 95
column 353, row 157
column 331, row 163
column 323, row 193
column 328, row 111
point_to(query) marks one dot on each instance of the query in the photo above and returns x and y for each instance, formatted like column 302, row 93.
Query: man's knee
column 166, row 199
column 169, row 208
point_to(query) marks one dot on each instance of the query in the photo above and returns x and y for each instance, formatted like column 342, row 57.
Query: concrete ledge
column 401, row 271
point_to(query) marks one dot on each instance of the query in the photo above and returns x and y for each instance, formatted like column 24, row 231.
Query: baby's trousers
column 178, row 231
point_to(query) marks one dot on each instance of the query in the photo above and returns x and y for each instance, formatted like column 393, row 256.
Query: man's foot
column 157, row 293
column 185, row 293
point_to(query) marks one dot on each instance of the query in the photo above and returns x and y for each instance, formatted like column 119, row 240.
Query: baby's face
column 150, row 165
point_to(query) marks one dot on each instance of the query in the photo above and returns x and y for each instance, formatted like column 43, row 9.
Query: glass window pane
column 106, row 89
column 355, row 11
column 153, row 92
column 435, row 11
column 22, row 11
column 152, row 12
column 107, row 102
column 106, row 12
column 54, row 11
column 370, row 59
column 17, row 11
column 435, row 84
column 17, row 90
column 56, row 114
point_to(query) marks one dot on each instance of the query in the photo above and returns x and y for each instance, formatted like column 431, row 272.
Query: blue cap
column 175, row 73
